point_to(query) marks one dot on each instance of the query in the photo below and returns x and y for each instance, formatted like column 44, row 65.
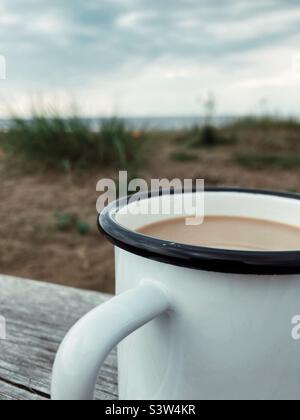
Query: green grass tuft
column 67, row 222
column 54, row 141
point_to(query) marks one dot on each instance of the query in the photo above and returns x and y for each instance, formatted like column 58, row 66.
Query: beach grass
column 265, row 123
column 54, row 141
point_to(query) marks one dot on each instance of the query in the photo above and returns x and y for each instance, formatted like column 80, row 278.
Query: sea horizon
column 163, row 123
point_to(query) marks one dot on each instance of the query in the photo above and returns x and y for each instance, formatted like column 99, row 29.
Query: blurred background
column 175, row 88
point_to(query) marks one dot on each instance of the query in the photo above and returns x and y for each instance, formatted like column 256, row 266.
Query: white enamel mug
column 192, row 323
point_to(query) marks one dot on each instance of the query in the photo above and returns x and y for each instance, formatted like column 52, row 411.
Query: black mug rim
column 195, row 257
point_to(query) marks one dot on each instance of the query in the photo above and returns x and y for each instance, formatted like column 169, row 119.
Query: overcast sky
column 151, row 57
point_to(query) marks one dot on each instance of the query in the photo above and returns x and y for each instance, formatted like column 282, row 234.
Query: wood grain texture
column 38, row 315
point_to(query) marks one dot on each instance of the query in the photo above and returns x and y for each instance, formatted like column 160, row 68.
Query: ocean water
column 153, row 123
column 173, row 123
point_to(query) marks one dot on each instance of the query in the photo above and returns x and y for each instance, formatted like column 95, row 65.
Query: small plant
column 208, row 136
column 66, row 222
column 82, row 227
column 183, row 157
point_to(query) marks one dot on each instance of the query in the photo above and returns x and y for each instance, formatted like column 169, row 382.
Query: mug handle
column 89, row 342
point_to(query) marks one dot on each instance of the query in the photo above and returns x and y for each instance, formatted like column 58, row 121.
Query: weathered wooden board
column 38, row 315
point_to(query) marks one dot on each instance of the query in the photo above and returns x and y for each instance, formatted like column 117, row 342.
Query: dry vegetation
column 48, row 216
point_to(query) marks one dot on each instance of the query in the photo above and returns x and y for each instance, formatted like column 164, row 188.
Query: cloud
column 134, row 20
column 110, row 51
column 46, row 24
